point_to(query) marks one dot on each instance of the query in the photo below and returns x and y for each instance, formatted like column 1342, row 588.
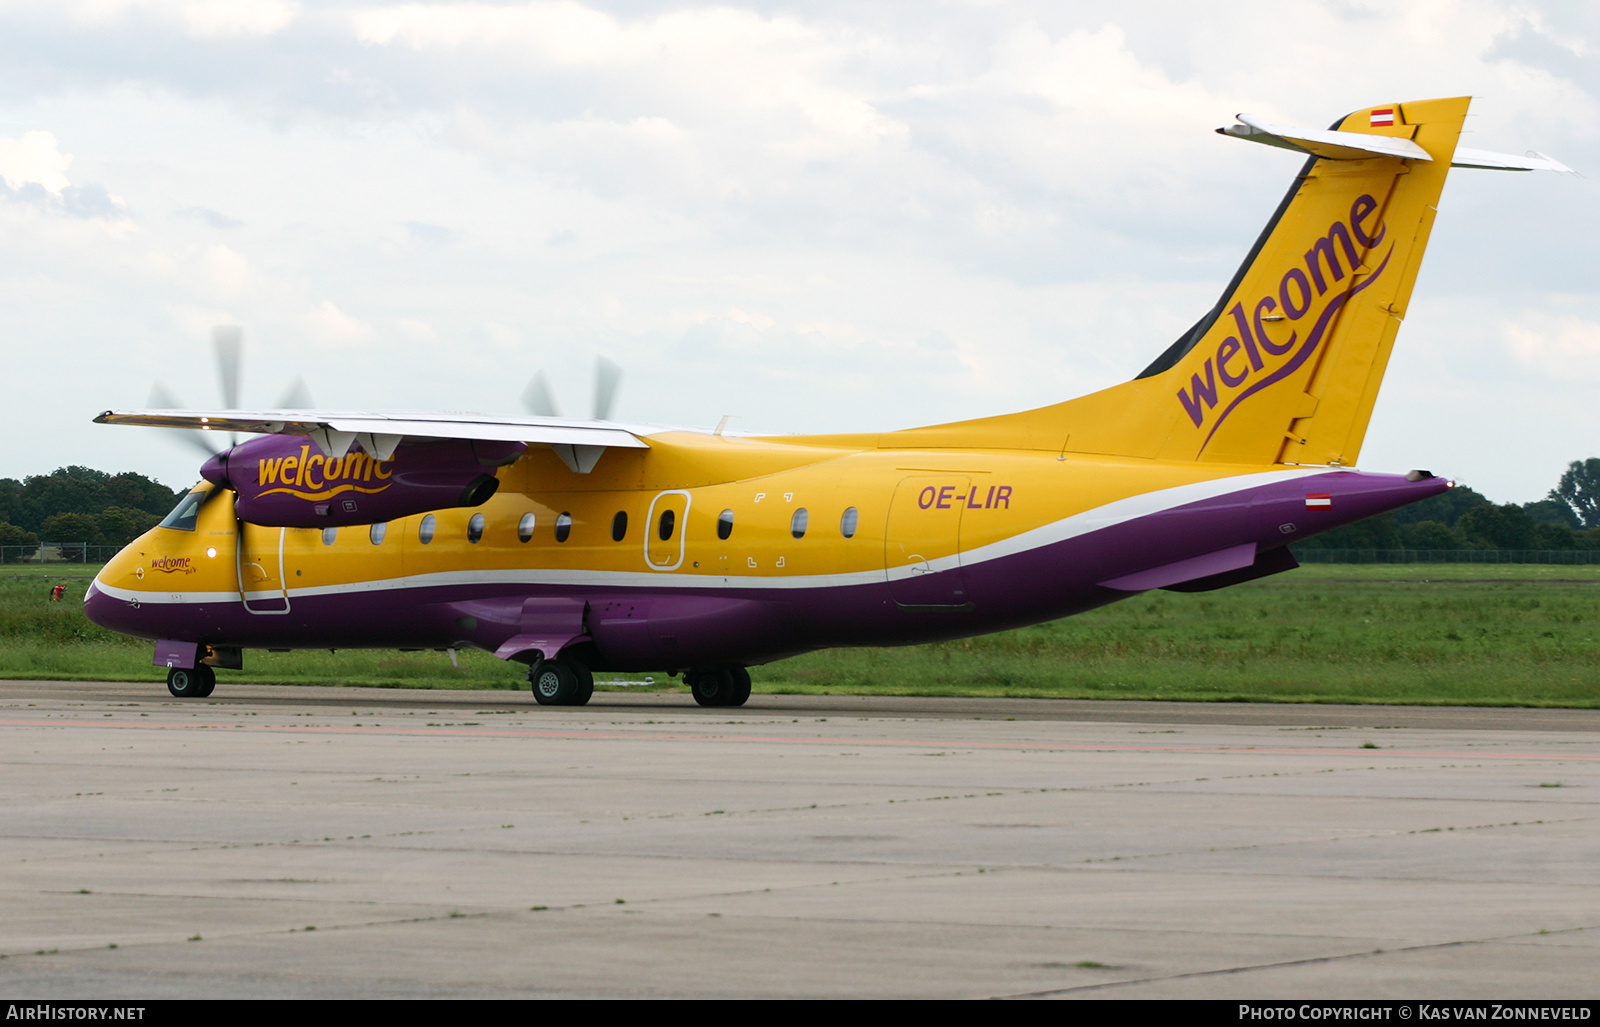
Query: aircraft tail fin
column 1286, row 367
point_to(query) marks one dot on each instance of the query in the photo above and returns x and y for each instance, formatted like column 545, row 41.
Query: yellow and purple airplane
column 577, row 546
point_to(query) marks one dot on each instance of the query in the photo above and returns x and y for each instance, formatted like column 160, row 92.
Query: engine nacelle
column 287, row 481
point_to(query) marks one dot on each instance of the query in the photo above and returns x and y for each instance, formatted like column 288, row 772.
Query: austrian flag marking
column 1383, row 118
column 1319, row 501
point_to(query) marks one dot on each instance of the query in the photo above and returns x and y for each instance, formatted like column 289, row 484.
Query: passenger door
column 921, row 543
column 664, row 529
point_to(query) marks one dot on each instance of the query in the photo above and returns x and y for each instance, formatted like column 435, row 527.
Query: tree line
column 1567, row 518
column 79, row 504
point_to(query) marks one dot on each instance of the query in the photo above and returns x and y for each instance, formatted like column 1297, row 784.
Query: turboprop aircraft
column 576, row 546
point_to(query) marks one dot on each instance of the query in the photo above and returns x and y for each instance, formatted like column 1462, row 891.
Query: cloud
column 199, row 19
column 227, row 270
column 212, row 218
column 431, row 235
column 330, row 324
column 1566, row 347
column 33, row 170
column 416, row 330
column 34, row 159
column 830, row 216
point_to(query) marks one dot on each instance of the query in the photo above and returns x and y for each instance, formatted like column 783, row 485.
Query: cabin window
column 619, row 526
column 328, row 535
column 563, row 526
column 475, row 529
column 724, row 524
column 525, row 527
column 426, row 529
column 847, row 523
column 797, row 523
column 668, row 518
column 376, row 533
column 184, row 514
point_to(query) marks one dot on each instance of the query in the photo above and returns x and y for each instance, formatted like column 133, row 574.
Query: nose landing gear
column 727, row 684
column 195, row 682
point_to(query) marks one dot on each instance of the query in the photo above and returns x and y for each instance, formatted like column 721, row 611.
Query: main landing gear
column 195, row 682
column 561, row 683
column 725, row 685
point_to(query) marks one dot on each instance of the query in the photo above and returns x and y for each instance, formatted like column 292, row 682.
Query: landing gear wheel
column 711, row 686
column 740, row 692
column 585, row 683
column 554, row 684
column 191, row 682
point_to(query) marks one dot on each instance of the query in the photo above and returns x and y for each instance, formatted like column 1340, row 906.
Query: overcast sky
column 812, row 216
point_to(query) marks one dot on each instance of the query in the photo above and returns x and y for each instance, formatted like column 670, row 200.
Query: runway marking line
column 882, row 742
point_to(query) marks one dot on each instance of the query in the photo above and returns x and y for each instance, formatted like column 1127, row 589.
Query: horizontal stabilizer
column 1532, row 161
column 1322, row 142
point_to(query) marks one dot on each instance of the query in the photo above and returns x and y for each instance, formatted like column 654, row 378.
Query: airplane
column 574, row 546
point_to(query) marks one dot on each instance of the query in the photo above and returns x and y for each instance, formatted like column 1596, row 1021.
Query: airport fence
column 1554, row 556
column 58, row 552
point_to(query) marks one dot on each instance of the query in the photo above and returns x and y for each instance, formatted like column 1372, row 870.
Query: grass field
column 1472, row 634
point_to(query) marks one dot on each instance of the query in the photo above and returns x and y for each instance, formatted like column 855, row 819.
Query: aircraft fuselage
column 835, row 547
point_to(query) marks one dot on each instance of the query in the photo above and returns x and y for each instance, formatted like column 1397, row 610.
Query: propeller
column 607, row 380
column 227, row 345
column 227, row 342
column 161, row 399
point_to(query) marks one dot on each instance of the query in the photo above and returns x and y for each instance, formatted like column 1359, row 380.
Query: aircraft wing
column 579, row 443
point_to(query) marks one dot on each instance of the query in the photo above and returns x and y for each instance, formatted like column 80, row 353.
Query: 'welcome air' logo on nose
column 1246, row 363
column 312, row 476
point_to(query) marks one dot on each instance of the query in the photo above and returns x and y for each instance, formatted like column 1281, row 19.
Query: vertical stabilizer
column 1286, row 367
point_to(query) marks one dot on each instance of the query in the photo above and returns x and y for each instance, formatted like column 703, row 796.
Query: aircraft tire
column 739, row 694
column 208, row 680
column 584, row 689
column 710, row 686
column 554, row 684
column 185, row 682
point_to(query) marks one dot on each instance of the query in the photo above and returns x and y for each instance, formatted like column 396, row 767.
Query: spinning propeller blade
column 227, row 344
column 537, row 400
column 297, row 396
column 162, row 399
column 227, row 341
column 536, row 397
column 607, row 377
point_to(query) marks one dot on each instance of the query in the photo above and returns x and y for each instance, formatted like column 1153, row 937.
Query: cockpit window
column 187, row 511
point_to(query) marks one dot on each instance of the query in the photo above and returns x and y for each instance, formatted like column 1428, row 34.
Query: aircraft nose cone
column 108, row 611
